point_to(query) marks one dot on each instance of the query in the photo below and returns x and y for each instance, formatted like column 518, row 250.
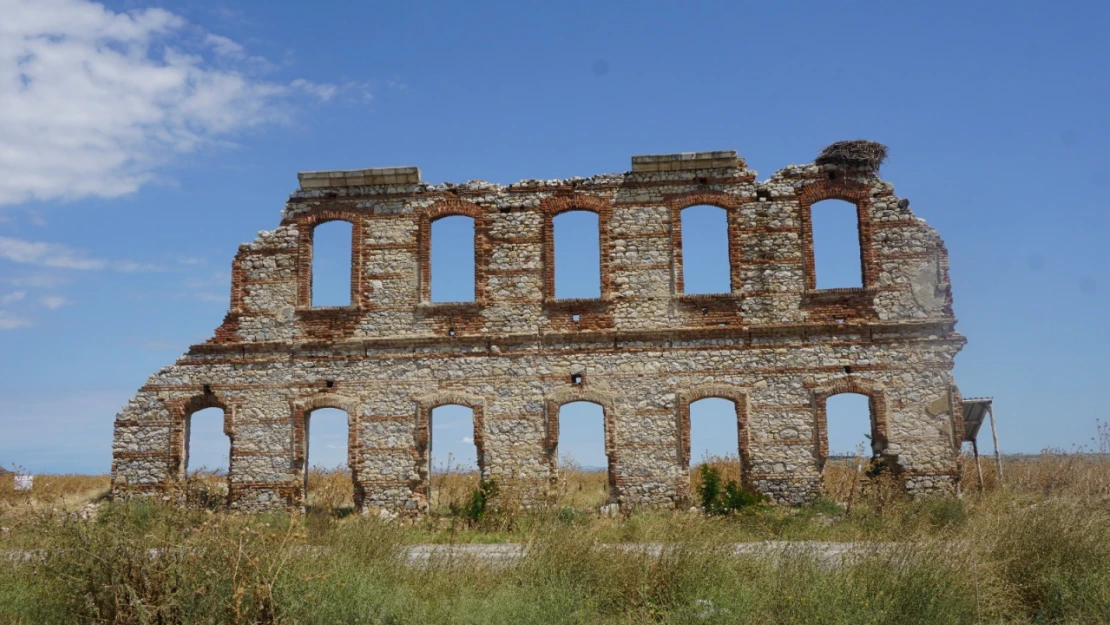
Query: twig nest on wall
column 857, row 154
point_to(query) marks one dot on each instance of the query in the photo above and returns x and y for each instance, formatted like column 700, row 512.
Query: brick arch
column 739, row 398
column 724, row 201
column 555, row 206
column 302, row 407
column 557, row 400
column 877, row 408
column 848, row 190
column 306, row 228
column 424, row 407
column 180, row 411
column 450, row 207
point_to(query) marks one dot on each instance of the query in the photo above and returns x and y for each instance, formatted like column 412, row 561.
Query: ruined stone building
column 775, row 345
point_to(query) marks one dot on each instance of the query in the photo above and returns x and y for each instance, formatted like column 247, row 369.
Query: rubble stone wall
column 775, row 345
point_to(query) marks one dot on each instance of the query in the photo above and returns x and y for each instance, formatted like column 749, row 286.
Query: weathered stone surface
column 775, row 345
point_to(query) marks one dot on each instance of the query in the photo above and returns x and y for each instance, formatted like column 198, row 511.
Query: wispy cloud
column 14, row 296
column 100, row 100
column 45, row 254
column 59, row 256
column 9, row 321
column 54, row 302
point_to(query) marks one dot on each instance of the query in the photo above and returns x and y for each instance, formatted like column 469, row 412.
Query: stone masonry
column 775, row 345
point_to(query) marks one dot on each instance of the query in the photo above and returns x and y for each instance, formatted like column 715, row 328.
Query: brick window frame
column 301, row 409
column 559, row 399
column 306, row 228
column 877, row 405
column 435, row 212
column 423, row 437
column 739, row 399
column 552, row 208
column 849, row 191
column 181, row 411
column 721, row 200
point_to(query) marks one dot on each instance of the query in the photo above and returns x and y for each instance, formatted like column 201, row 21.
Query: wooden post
column 978, row 465
column 994, row 435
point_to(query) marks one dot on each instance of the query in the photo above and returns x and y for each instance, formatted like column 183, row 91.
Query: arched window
column 849, row 425
column 850, row 436
column 838, row 262
column 331, row 264
column 329, row 484
column 715, row 437
column 206, row 458
column 451, row 270
column 207, row 448
column 705, row 262
column 453, row 457
column 584, row 471
column 577, row 255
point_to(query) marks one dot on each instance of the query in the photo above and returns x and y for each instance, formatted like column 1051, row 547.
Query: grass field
column 1036, row 550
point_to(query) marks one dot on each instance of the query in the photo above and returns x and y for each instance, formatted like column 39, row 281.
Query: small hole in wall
column 763, row 195
column 576, row 318
column 207, row 389
column 705, row 310
column 703, row 180
column 576, row 378
column 722, row 324
column 331, row 195
column 847, row 369
column 832, row 175
column 451, row 332
column 839, row 319
column 330, row 383
column 504, row 210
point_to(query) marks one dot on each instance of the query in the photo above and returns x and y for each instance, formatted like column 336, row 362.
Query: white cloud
column 54, row 302
column 59, row 256
column 467, row 439
column 15, row 296
column 224, row 46
column 93, row 102
column 8, row 321
column 45, row 254
column 40, row 281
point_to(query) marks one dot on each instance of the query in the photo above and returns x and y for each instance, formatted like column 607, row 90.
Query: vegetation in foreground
column 1035, row 551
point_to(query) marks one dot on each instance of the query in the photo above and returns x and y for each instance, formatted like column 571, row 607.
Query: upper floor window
column 705, row 262
column 837, row 259
column 331, row 264
column 577, row 246
column 452, row 259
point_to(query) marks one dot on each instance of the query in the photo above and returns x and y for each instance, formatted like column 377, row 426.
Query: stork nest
column 859, row 153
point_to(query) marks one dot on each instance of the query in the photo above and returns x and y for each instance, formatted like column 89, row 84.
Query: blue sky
column 141, row 142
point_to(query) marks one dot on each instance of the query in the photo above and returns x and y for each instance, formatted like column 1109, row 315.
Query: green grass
column 1025, row 554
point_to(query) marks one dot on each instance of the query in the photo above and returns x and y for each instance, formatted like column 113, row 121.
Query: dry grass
column 1034, row 551
column 63, row 492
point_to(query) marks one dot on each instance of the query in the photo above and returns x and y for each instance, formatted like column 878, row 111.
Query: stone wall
column 776, row 346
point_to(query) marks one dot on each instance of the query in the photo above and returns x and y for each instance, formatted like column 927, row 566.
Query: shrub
column 476, row 509
column 723, row 499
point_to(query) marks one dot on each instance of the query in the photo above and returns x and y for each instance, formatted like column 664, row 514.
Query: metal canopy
column 975, row 411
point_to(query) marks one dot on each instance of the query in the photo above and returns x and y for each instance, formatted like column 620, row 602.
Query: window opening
column 577, row 255
column 714, row 439
column 453, row 458
column 207, row 457
column 705, row 265
column 848, row 426
column 329, row 484
column 331, row 264
column 452, row 259
column 837, row 260
column 584, row 471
